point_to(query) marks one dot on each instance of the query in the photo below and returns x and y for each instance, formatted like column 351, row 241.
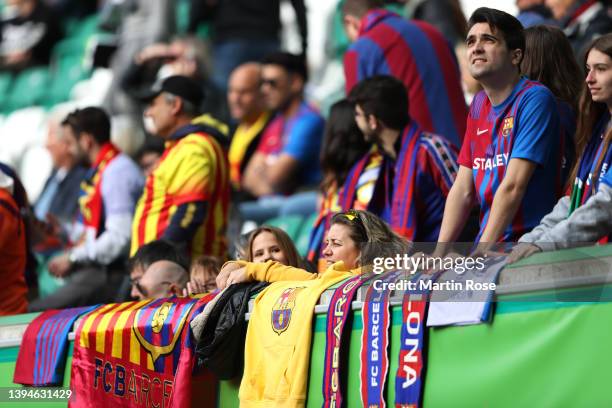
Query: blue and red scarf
column 376, row 318
column 401, row 207
column 409, row 378
column 399, row 196
column 595, row 161
column 44, row 347
column 337, row 316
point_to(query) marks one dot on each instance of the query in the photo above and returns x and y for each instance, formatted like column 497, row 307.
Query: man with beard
column 101, row 236
column 418, row 168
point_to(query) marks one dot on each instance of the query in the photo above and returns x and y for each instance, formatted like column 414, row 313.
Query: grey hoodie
column 587, row 224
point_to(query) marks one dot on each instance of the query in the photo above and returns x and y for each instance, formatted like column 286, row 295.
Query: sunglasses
column 355, row 219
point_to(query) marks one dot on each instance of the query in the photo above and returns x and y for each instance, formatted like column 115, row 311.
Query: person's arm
column 439, row 160
column 587, row 224
column 121, row 186
column 109, row 245
column 550, row 220
column 507, row 200
column 262, row 178
column 253, row 181
column 270, row 271
column 268, row 174
column 300, row 15
column 459, row 203
column 185, row 221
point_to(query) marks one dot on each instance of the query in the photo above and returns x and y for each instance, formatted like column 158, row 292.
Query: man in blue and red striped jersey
column 414, row 52
column 418, row 168
column 510, row 154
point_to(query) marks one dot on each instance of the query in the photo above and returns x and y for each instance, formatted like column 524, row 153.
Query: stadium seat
column 82, row 29
column 6, row 80
column 66, row 72
column 20, row 131
column 29, row 89
column 291, row 224
column 303, row 238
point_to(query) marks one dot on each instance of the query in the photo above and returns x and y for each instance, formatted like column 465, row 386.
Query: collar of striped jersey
column 373, row 17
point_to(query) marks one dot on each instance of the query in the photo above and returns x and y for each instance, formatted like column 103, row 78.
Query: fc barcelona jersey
column 277, row 349
column 524, row 126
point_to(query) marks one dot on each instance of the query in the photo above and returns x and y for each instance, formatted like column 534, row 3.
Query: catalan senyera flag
column 127, row 354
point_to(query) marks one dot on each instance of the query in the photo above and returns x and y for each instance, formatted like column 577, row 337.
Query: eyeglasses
column 272, row 83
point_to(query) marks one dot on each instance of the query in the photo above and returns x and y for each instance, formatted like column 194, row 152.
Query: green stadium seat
column 81, row 28
column 291, row 224
column 66, row 72
column 6, row 80
column 69, row 46
column 303, row 238
column 29, row 89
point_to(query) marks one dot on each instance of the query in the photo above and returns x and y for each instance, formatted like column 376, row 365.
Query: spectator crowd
column 490, row 130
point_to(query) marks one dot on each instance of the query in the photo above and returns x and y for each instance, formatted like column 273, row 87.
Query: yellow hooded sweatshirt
column 278, row 341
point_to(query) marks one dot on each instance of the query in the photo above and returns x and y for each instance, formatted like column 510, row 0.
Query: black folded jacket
column 221, row 346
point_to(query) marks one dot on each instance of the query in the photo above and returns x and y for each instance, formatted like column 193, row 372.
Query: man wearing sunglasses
column 287, row 157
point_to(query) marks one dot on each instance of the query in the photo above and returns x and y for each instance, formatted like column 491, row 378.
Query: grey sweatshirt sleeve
column 550, row 220
column 587, row 224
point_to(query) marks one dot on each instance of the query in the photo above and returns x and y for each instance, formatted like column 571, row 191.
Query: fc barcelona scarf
column 44, row 347
column 409, row 378
column 90, row 200
column 401, row 209
column 374, row 341
column 127, row 354
column 317, row 232
column 595, row 161
column 189, row 387
column 337, row 316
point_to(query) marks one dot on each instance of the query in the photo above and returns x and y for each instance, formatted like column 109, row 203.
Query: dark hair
column 343, row 145
column 150, row 146
column 385, row 98
column 590, row 112
column 371, row 235
column 208, row 262
column 359, row 8
column 160, row 250
column 293, row 64
column 548, row 60
column 507, row 25
column 284, row 242
column 92, row 120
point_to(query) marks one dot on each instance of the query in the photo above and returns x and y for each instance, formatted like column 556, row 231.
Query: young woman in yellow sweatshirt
column 277, row 349
column 354, row 239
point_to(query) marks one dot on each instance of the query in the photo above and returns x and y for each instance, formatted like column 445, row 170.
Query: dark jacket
column 65, row 204
column 221, row 347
